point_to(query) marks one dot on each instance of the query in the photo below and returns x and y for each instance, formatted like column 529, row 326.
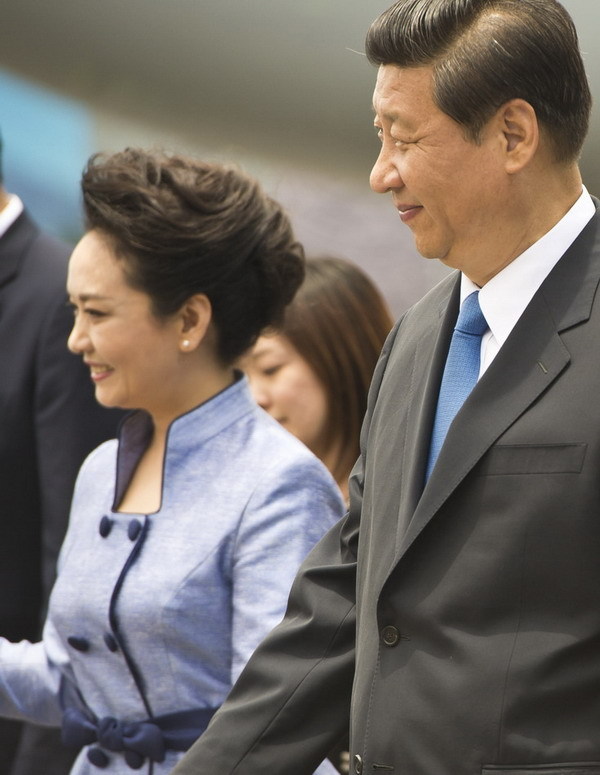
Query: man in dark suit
column 453, row 618
column 49, row 421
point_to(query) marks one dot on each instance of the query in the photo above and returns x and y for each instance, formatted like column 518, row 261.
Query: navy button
column 98, row 758
column 358, row 765
column 390, row 636
column 111, row 643
column 78, row 643
column 133, row 529
column 134, row 760
column 106, row 524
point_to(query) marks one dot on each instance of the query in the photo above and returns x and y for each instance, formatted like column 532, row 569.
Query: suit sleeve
column 291, row 704
column 69, row 423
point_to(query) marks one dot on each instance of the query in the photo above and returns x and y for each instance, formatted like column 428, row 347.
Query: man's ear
column 520, row 132
column 195, row 316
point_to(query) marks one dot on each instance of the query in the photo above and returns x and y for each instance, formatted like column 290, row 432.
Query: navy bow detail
column 141, row 737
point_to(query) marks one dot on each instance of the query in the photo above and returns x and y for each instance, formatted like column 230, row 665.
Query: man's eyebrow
column 391, row 117
column 397, row 120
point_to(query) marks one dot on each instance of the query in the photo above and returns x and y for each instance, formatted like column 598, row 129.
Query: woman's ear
column 520, row 132
column 194, row 317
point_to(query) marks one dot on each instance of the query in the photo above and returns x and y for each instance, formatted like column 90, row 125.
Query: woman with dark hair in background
column 186, row 532
column 313, row 373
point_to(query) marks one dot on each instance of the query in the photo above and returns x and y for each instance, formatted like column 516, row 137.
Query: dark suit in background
column 454, row 623
column 49, row 421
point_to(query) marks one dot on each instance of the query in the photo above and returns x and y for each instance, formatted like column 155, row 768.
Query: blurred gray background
column 279, row 86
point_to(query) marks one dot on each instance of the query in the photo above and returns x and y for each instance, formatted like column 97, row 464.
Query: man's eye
column 403, row 143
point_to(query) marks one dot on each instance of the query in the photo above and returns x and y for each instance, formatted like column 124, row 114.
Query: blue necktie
column 460, row 373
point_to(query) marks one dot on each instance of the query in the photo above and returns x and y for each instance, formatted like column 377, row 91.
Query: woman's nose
column 261, row 395
column 78, row 340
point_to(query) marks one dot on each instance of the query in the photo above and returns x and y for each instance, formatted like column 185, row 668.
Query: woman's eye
column 270, row 370
column 94, row 313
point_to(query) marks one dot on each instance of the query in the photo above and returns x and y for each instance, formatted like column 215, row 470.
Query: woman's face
column 132, row 355
column 287, row 388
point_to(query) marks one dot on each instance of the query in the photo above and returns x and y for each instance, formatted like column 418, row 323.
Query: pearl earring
column 185, row 343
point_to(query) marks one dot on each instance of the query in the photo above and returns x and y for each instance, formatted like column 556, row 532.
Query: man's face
column 448, row 190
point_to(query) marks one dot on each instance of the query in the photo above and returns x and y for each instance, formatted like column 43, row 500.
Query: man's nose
column 384, row 175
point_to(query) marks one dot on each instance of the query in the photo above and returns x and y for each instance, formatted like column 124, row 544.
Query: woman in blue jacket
column 187, row 531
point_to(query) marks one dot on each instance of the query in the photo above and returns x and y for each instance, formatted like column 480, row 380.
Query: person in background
column 313, row 373
column 452, row 619
column 50, row 421
column 186, row 532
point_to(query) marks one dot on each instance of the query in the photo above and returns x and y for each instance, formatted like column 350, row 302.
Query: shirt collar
column 504, row 298
column 186, row 434
column 10, row 213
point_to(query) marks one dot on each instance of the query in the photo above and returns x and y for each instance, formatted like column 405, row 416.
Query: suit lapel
column 14, row 243
column 428, row 366
column 532, row 358
column 399, row 426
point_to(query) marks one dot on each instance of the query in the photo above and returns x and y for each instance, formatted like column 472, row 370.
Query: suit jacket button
column 358, row 764
column 134, row 528
column 110, row 642
column 390, row 636
column 78, row 643
column 98, row 758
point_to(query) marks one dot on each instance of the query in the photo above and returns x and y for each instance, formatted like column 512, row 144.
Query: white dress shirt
column 10, row 213
column 504, row 298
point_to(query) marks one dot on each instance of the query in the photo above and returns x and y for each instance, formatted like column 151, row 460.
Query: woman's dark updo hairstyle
column 182, row 226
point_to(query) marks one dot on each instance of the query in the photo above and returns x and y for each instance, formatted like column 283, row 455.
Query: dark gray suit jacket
column 49, row 421
column 456, row 628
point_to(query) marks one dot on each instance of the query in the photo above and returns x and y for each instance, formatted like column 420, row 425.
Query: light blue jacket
column 156, row 614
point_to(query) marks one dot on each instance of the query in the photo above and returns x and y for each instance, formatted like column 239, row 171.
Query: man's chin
column 428, row 251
